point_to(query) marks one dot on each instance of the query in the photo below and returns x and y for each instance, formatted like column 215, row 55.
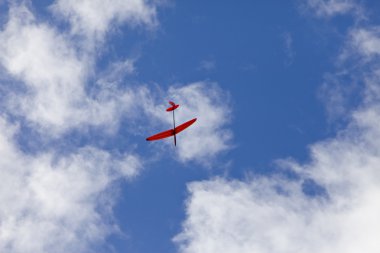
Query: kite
column 175, row 130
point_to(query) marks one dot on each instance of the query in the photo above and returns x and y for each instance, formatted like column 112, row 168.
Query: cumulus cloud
column 275, row 214
column 330, row 204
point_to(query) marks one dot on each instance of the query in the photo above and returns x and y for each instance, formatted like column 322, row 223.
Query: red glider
column 175, row 130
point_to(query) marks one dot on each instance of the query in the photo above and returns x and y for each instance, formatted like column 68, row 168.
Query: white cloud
column 209, row 135
column 366, row 40
column 55, row 98
column 59, row 200
column 274, row 213
column 289, row 51
column 57, row 203
column 93, row 18
column 207, row 65
column 49, row 67
column 119, row 69
column 54, row 75
column 329, row 8
column 54, row 200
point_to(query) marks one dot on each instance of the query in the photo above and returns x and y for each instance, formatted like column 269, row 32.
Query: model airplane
column 175, row 130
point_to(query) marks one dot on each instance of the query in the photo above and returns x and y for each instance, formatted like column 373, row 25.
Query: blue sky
column 283, row 158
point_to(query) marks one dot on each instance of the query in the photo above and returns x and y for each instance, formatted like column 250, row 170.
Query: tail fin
column 173, row 106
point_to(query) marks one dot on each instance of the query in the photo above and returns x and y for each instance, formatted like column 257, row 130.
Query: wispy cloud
column 95, row 18
column 330, row 8
column 207, row 65
column 288, row 48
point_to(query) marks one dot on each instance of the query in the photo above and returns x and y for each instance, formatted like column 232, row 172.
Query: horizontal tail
column 172, row 107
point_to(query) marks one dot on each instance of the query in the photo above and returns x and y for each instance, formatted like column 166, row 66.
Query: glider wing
column 162, row 135
column 171, row 132
column 185, row 125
